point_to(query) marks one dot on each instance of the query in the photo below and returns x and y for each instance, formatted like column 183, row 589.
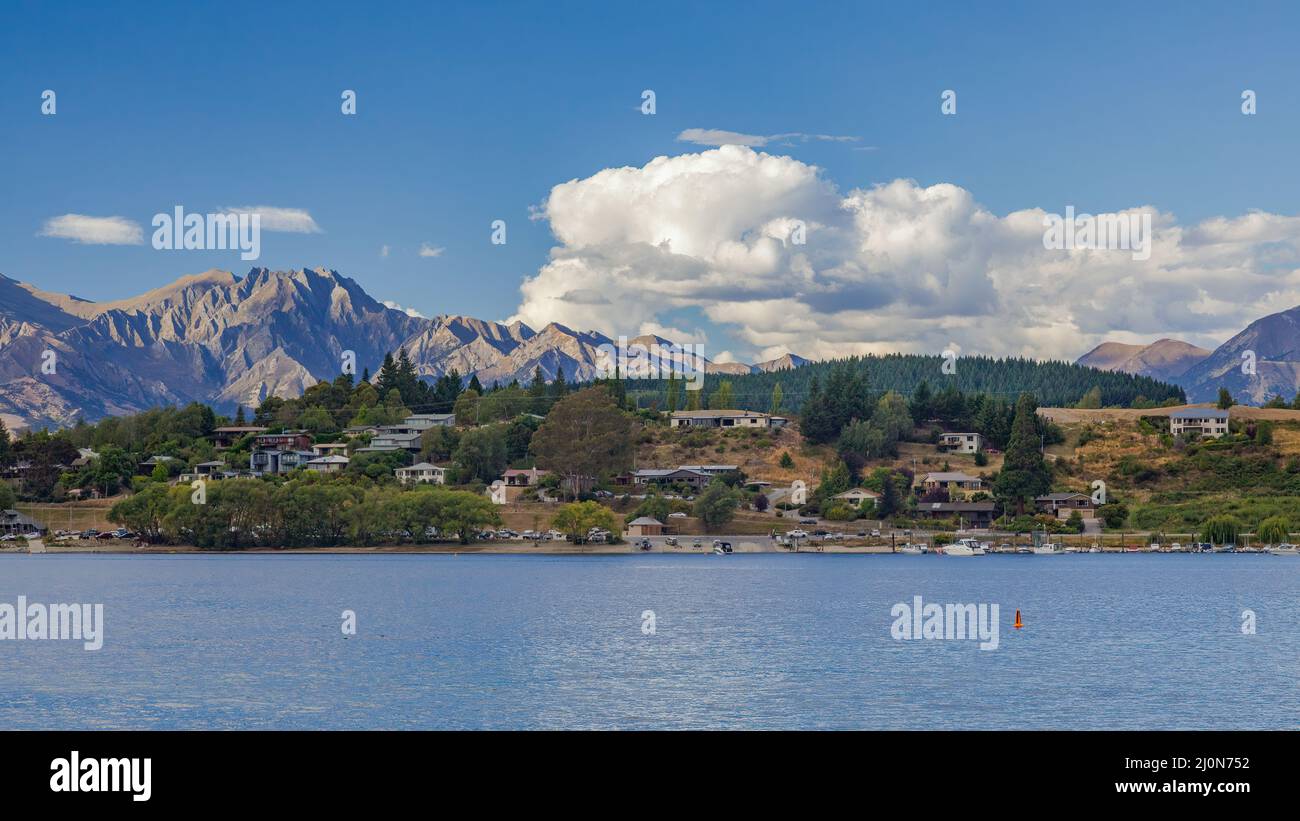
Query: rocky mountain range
column 228, row 340
column 1271, row 344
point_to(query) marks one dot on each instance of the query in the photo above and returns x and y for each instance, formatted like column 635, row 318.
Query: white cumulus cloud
column 896, row 266
column 427, row 250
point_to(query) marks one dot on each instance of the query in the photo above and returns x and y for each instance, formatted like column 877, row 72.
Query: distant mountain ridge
column 1271, row 342
column 1164, row 359
column 227, row 340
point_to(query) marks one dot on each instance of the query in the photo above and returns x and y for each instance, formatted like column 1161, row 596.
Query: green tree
column 1091, row 399
column 1220, row 530
column 786, row 461
column 778, row 397
column 674, row 391
column 1274, row 530
column 7, row 496
column 144, row 512
column 576, row 519
column 1024, row 473
column 586, row 436
column 716, row 504
column 723, row 398
column 1225, row 399
column 481, row 454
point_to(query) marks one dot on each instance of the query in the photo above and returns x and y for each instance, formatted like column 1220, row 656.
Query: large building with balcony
column 1210, row 422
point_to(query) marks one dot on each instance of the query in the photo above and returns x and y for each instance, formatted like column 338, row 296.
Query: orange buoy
column 1019, row 624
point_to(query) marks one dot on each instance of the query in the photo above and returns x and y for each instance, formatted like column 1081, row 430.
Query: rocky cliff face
column 1274, row 344
column 228, row 340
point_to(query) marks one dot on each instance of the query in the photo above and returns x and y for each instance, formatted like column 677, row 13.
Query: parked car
column 875, row 534
column 808, row 520
column 797, row 534
column 677, row 515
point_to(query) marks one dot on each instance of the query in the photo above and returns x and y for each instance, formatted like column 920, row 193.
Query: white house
column 1210, row 422
column 423, row 473
column 725, row 419
column 962, row 442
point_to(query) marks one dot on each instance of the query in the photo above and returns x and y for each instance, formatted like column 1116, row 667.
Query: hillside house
column 857, row 496
column 969, row 514
column 227, row 435
column 959, row 485
column 961, row 442
column 262, row 462
column 670, row 476
column 288, row 440
column 1209, row 422
column 725, row 419
column 327, row 464
column 526, row 477
column 423, row 473
column 1061, row 505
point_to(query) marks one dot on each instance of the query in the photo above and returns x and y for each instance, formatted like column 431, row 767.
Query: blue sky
column 470, row 113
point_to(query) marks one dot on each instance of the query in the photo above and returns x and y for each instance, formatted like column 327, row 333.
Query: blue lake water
column 743, row 641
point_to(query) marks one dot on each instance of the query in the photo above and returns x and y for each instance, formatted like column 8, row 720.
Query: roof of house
column 651, row 473
column 213, row 464
column 645, row 520
column 1199, row 413
column 966, row 433
column 949, row 476
column 711, row 414
column 1059, row 497
column 431, row 417
column 328, row 460
column 420, row 466
column 857, row 491
column 957, row 507
column 409, row 437
column 238, row 429
column 709, row 468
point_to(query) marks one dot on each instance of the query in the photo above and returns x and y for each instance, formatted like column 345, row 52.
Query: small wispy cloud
column 388, row 303
column 718, row 136
column 383, row 251
column 93, row 230
column 427, row 250
column 275, row 218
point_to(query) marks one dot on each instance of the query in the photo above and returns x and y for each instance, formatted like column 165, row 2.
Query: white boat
column 1049, row 549
column 1095, row 549
column 913, row 549
column 1284, row 550
column 964, row 547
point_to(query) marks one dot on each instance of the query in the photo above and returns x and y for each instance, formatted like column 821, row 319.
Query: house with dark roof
column 11, row 521
column 970, row 514
column 1061, row 505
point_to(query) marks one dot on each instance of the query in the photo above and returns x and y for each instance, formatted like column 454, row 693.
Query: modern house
column 84, row 457
column 671, row 476
column 523, row 478
column 1061, row 505
column 423, row 473
column 725, row 419
column 431, row 420
column 11, row 521
column 205, row 470
column 261, row 462
column 227, row 435
column 1210, row 422
column 288, row 440
column 327, row 464
column 961, row 442
column 958, row 484
column 386, row 441
column 330, row 448
column 970, row 514
column 645, row 526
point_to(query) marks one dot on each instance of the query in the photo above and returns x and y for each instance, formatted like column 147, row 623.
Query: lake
column 742, row 641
